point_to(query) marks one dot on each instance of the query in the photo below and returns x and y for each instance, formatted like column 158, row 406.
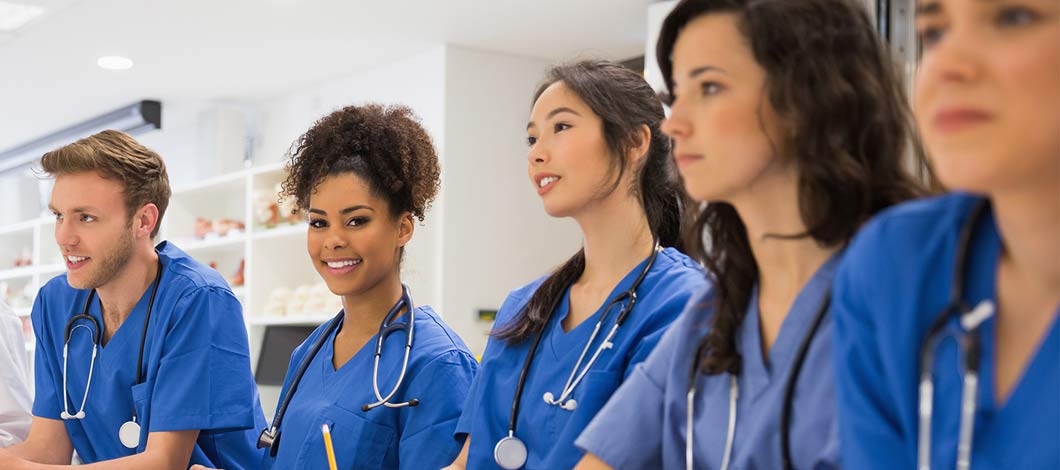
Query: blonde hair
column 117, row 156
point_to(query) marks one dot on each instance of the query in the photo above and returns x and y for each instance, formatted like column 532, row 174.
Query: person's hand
column 200, row 467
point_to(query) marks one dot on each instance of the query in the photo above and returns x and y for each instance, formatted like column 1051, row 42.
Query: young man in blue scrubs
column 789, row 172
column 988, row 86
column 193, row 398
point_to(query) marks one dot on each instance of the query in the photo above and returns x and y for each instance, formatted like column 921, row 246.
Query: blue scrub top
column 894, row 283
column 653, row 401
column 196, row 365
column 440, row 372
column 547, row 430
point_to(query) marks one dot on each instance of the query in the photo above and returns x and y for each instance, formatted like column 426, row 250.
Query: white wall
column 656, row 14
column 199, row 139
column 496, row 235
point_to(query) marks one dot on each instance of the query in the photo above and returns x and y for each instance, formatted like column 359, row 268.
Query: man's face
column 92, row 228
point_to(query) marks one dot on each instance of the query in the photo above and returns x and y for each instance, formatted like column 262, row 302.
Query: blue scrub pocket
column 359, row 443
column 594, row 390
column 141, row 400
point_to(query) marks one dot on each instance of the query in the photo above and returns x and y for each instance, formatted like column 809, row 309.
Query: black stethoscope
column 270, row 437
column 969, row 338
column 510, row 452
column 129, row 432
column 734, row 394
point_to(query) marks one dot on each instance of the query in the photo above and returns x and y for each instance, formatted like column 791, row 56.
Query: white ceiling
column 245, row 50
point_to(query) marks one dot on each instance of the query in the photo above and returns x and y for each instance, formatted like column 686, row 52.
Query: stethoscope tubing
column 968, row 339
column 97, row 334
column 734, row 394
column 269, row 437
column 510, row 452
column 572, row 382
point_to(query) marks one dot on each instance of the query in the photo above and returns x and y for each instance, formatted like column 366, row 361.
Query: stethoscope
column 734, row 395
column 966, row 333
column 129, row 432
column 270, row 437
column 510, row 452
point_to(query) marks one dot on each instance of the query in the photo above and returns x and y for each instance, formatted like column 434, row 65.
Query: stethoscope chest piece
column 269, row 439
column 510, row 453
column 129, row 434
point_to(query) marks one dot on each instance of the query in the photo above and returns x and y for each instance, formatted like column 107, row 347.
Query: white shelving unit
column 273, row 257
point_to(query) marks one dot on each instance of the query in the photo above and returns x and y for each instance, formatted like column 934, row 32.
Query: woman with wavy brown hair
column 789, row 122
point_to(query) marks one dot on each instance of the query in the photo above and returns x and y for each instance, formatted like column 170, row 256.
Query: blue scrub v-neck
column 760, row 372
column 440, row 370
column 547, row 430
column 893, row 285
column 564, row 343
column 196, row 372
column 126, row 340
column 328, row 371
column 654, row 399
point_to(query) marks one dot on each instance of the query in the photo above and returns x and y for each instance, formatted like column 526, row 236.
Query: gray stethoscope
column 270, row 437
column 734, row 394
column 129, row 432
column 510, row 452
column 966, row 332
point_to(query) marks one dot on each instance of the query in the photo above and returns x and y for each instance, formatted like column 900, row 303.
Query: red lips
column 957, row 119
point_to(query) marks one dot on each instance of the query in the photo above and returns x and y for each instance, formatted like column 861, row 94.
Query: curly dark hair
column 827, row 73
column 384, row 145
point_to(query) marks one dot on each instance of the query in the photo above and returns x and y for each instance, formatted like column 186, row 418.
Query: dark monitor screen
column 276, row 349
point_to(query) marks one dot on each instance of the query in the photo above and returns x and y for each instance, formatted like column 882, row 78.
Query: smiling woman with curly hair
column 363, row 174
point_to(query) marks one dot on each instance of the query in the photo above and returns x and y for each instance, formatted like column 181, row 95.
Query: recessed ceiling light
column 17, row 15
column 114, row 62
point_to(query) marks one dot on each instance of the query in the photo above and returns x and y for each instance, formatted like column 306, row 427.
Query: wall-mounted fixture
column 133, row 119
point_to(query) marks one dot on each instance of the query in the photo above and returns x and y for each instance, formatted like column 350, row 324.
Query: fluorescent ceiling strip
column 16, row 15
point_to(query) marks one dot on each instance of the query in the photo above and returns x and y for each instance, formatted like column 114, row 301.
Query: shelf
column 280, row 231
column 24, row 311
column 26, row 225
column 294, row 320
column 189, row 245
column 269, row 168
column 234, row 180
column 15, row 273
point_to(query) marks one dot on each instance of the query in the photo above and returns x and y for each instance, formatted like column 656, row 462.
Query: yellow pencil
column 329, row 447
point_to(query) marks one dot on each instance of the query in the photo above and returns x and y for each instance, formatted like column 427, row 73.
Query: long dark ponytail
column 624, row 102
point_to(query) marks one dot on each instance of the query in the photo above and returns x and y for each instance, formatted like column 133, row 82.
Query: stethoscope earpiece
column 570, row 404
